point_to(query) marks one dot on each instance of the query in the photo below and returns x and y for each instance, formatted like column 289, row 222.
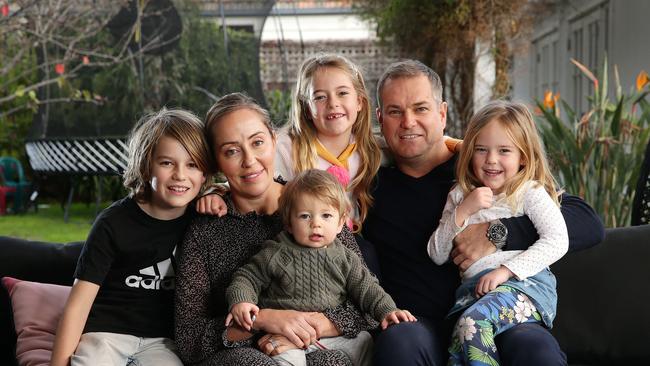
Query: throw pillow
column 37, row 308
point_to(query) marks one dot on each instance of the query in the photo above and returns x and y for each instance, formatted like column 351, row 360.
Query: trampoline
column 55, row 147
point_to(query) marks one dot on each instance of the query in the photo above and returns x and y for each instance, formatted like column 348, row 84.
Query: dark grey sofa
column 602, row 309
column 604, row 299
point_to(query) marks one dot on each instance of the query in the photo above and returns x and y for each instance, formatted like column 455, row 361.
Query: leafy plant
column 598, row 155
column 279, row 102
column 14, row 126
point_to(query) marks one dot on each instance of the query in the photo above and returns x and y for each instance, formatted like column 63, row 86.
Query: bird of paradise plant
column 598, row 155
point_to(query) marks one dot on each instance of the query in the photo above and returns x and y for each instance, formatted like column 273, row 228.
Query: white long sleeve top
column 534, row 202
column 284, row 165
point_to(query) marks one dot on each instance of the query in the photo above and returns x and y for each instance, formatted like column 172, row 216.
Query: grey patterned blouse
column 212, row 250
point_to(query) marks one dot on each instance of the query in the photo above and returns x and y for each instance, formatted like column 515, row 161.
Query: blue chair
column 14, row 176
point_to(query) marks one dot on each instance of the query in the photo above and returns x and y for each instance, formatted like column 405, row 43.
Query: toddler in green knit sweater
column 306, row 268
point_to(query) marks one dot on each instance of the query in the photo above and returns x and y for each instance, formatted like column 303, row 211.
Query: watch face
column 497, row 232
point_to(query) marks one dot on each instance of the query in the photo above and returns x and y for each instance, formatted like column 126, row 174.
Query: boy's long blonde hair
column 518, row 123
column 303, row 133
column 181, row 125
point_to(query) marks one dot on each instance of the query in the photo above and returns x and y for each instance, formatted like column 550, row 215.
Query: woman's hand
column 235, row 333
column 324, row 327
column 394, row 317
column 301, row 329
column 211, row 204
column 274, row 344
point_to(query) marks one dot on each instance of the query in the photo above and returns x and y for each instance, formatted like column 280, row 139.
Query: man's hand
column 471, row 245
column 477, row 199
column 242, row 312
column 492, row 279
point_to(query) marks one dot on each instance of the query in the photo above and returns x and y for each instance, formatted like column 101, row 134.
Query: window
column 546, row 74
column 587, row 44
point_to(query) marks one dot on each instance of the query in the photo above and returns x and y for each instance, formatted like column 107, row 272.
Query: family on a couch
column 460, row 235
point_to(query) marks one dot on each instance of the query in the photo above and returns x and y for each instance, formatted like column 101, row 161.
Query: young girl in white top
column 502, row 172
column 331, row 129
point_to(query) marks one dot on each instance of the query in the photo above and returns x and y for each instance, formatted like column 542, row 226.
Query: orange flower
column 641, row 80
column 550, row 100
column 5, row 10
column 85, row 60
column 59, row 68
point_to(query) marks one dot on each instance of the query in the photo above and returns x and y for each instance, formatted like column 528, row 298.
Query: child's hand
column 492, row 279
column 242, row 314
column 211, row 204
column 394, row 317
column 478, row 199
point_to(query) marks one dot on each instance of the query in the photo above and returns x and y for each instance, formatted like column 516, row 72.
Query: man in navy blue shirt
column 409, row 199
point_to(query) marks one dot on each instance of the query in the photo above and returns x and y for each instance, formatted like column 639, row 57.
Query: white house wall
column 616, row 28
column 317, row 28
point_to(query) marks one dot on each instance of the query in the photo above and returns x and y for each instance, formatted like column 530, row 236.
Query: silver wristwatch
column 497, row 233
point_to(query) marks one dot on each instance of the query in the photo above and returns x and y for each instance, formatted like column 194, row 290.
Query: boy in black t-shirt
column 122, row 298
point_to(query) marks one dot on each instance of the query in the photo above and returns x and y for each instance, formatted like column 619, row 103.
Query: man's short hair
column 409, row 69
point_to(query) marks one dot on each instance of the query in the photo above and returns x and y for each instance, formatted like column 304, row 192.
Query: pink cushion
column 37, row 308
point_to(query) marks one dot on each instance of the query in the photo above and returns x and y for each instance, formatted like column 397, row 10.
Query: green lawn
column 48, row 225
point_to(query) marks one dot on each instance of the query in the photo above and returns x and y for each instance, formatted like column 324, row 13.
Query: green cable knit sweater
column 285, row 275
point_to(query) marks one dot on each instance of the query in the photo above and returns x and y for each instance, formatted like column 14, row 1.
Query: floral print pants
column 473, row 337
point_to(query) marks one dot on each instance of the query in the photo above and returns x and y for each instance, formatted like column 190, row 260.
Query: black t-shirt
column 130, row 255
column 406, row 212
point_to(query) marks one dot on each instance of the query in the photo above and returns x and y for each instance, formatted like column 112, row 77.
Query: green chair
column 14, row 176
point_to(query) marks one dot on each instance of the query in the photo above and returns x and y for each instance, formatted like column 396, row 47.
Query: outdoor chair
column 4, row 190
column 14, row 177
column 641, row 205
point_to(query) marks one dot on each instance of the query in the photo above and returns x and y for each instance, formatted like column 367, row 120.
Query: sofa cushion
column 37, row 308
column 603, row 300
column 32, row 261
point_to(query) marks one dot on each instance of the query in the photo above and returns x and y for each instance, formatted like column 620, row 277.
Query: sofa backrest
column 602, row 294
column 603, row 300
column 31, row 261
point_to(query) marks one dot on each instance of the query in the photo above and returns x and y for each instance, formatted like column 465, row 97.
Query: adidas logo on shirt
column 160, row 276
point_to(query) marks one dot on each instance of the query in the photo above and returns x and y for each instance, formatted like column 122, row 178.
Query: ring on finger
column 273, row 343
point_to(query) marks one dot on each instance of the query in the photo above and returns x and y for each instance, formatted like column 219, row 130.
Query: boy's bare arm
column 73, row 321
